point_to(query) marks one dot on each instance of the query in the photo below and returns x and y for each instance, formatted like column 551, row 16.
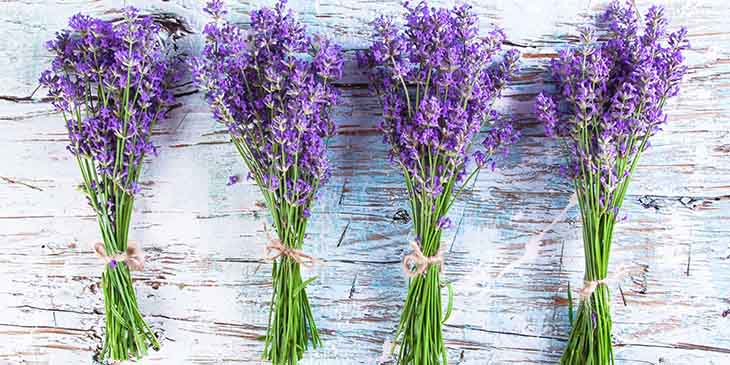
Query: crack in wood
column 186, row 93
column 13, row 181
column 679, row 345
column 342, row 192
column 689, row 256
column 29, row 98
column 352, row 287
column 623, row 297
column 202, row 143
column 401, row 216
column 342, row 236
column 648, row 202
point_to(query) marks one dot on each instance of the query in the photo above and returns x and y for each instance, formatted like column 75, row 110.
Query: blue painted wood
column 206, row 291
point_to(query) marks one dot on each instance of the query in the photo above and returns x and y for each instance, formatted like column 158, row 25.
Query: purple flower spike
column 111, row 81
column 610, row 95
column 215, row 8
column 607, row 104
column 272, row 88
column 455, row 77
column 437, row 77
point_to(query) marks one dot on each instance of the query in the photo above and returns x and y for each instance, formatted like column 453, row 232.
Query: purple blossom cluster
column 438, row 80
column 611, row 94
column 272, row 87
column 111, row 82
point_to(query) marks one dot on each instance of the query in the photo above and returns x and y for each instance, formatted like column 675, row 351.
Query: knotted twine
column 420, row 261
column 134, row 257
column 590, row 286
column 279, row 250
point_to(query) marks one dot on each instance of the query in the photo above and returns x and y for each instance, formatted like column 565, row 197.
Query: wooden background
column 206, row 293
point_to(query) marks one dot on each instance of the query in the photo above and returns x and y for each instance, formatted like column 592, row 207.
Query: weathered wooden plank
column 206, row 292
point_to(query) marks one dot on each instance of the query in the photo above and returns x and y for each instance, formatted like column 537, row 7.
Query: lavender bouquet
column 272, row 88
column 437, row 81
column 610, row 100
column 110, row 82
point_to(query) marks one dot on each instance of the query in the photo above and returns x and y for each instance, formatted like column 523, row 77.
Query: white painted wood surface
column 206, row 293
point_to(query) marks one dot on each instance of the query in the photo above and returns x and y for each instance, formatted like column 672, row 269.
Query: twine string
column 133, row 257
column 416, row 263
column 275, row 249
column 590, row 286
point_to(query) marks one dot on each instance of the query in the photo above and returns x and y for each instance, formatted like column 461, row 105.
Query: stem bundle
column 291, row 328
column 127, row 333
column 291, row 322
column 420, row 327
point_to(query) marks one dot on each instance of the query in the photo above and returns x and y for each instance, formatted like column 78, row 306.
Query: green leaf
column 119, row 317
column 570, row 305
column 303, row 285
column 450, row 303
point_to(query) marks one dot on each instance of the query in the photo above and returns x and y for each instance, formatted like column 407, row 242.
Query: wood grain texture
column 206, row 292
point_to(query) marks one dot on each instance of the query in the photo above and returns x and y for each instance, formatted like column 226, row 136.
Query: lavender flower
column 111, row 82
column 608, row 104
column 275, row 103
column 437, row 80
column 611, row 97
column 272, row 89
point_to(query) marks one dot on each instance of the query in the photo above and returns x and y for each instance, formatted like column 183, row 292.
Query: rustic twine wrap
column 134, row 257
column 590, row 286
column 420, row 261
column 274, row 245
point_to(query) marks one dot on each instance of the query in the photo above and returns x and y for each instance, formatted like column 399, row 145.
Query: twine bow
column 420, row 261
column 280, row 250
column 590, row 286
column 134, row 257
